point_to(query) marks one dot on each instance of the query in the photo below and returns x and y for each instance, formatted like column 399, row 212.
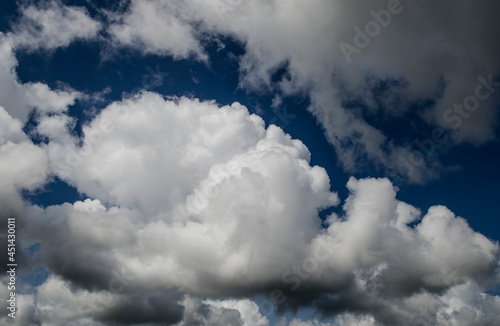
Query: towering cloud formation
column 195, row 212
column 183, row 211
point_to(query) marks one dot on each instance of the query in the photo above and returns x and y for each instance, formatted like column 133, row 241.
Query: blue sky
column 187, row 162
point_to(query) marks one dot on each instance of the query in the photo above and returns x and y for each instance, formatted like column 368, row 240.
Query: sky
column 250, row 162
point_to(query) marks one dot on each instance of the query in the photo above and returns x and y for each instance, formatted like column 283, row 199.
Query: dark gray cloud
column 152, row 308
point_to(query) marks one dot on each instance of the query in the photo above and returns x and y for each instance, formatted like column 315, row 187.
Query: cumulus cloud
column 197, row 182
column 192, row 208
column 188, row 212
column 387, row 259
column 375, row 229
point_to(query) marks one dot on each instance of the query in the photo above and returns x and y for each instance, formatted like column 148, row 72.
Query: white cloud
column 446, row 57
column 193, row 171
column 191, row 203
column 248, row 310
column 466, row 305
column 58, row 304
column 20, row 99
column 24, row 306
column 442, row 250
column 224, row 207
column 390, row 260
column 22, row 164
column 157, row 27
column 306, row 37
column 50, row 25
column 47, row 26
column 184, row 141
column 198, row 312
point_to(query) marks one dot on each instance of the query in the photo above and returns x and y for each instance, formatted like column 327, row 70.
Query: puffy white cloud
column 58, row 304
column 452, row 249
column 466, row 305
column 248, row 310
column 390, row 260
column 157, row 27
column 193, row 207
column 198, row 312
column 170, row 147
column 50, row 24
column 20, row 99
column 438, row 252
column 22, row 164
column 201, row 182
column 205, row 200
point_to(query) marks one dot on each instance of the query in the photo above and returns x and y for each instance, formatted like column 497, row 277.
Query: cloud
column 353, row 76
column 247, row 309
column 156, row 27
column 23, row 166
column 19, row 99
column 224, row 207
column 375, row 229
column 200, row 312
column 351, row 89
column 193, row 209
column 390, row 261
column 25, row 304
column 57, row 303
column 184, row 180
column 50, row 25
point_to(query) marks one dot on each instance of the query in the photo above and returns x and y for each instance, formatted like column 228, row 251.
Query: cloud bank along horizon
column 193, row 212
